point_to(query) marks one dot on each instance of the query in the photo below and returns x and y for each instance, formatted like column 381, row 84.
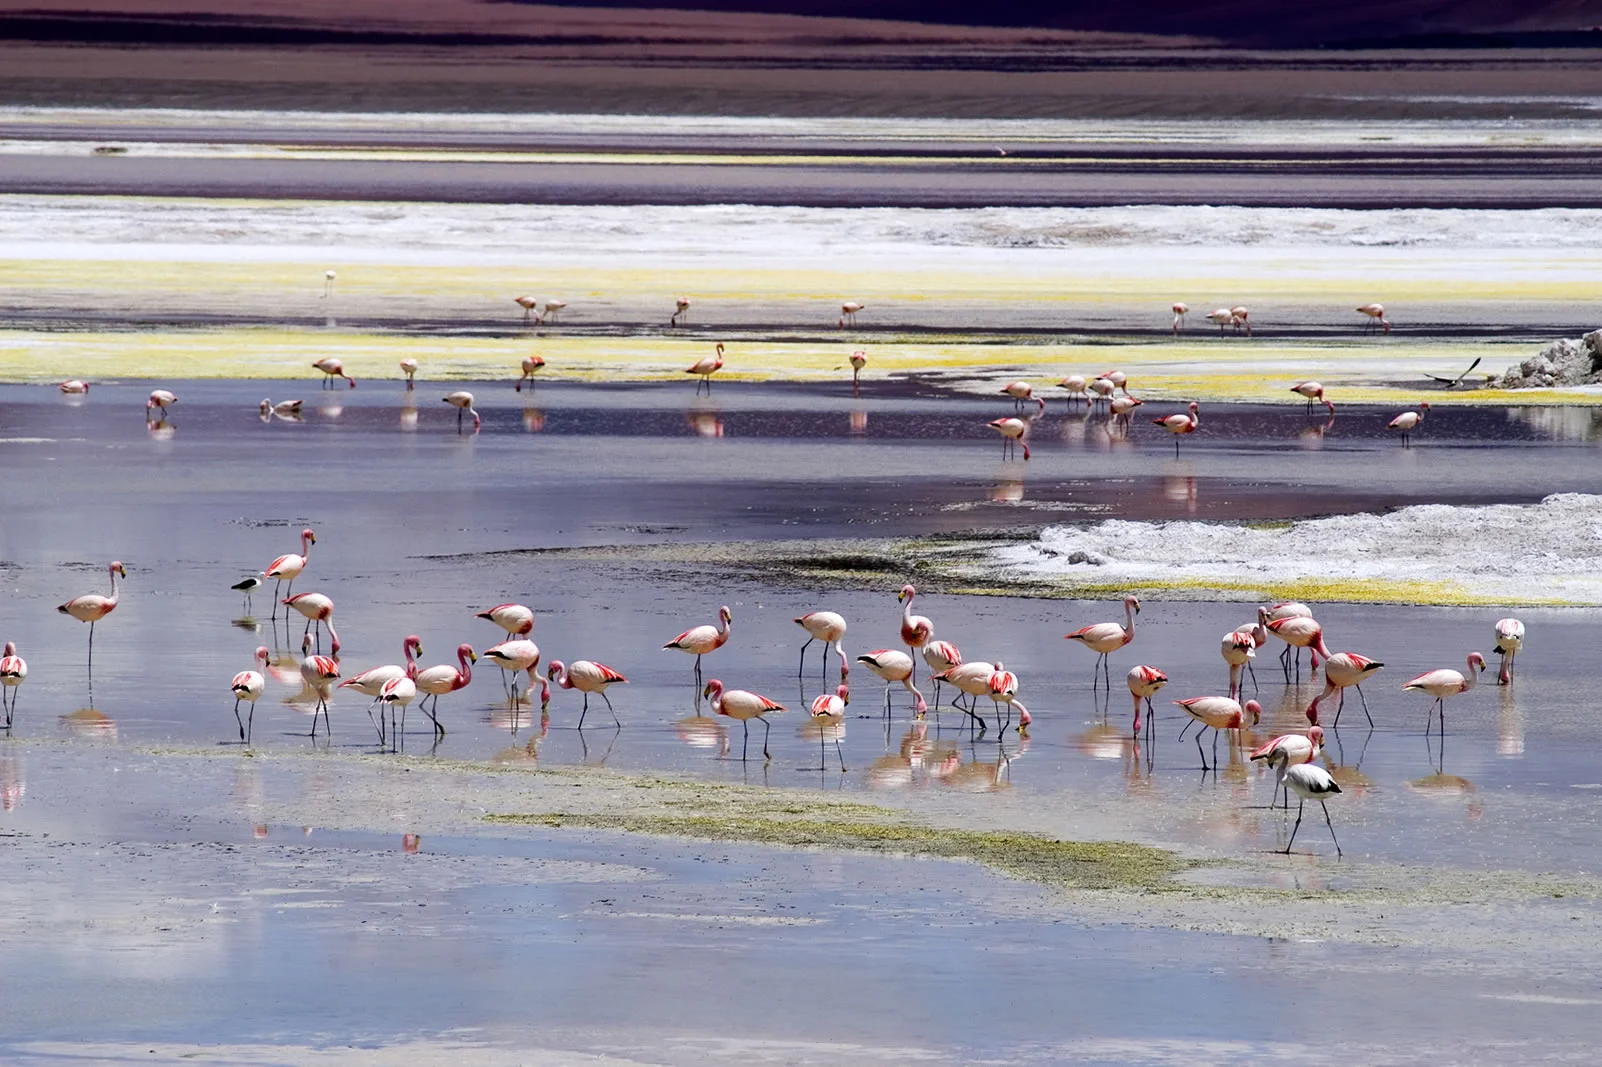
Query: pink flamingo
column 828, row 627
column 940, row 656
column 1012, row 433
column 744, row 706
column 1238, row 317
column 1287, row 750
column 462, row 401
column 1003, row 686
column 92, row 607
column 289, row 567
column 1284, row 610
column 1444, row 683
column 1343, row 670
column 318, row 609
column 830, row 707
column 1220, row 317
column 681, row 311
column 397, row 692
column 333, row 368
column 894, row 666
column 1180, row 311
column 515, row 619
column 161, row 400
column 700, row 640
column 1218, row 714
column 972, row 679
column 858, row 360
column 706, row 366
column 527, row 303
column 1181, row 424
column 516, row 655
column 1102, row 387
column 1124, row 406
column 1104, row 638
column 530, row 365
column 1312, row 391
column 319, row 673
column 1298, row 632
column 13, row 672
column 373, row 680
column 848, row 312
column 1021, row 392
column 1376, row 316
column 1075, row 384
column 247, row 685
column 587, row 678
column 916, row 630
column 1119, row 379
column 74, row 387
column 1144, row 682
column 1239, row 648
column 1509, row 639
column 437, row 681
column 553, row 308
column 408, row 367
column 1408, row 421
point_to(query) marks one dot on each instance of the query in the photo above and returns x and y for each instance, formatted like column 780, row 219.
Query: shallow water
column 411, row 524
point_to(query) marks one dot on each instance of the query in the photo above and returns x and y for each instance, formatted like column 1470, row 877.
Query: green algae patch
column 1064, row 864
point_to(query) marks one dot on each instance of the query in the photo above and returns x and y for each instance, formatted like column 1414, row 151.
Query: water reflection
column 1181, row 489
column 705, row 423
column 1509, row 724
column 410, row 843
column 1560, row 423
column 408, row 418
column 859, row 421
column 1312, row 437
column 533, row 420
column 701, row 731
column 161, row 430
column 1008, row 491
column 920, row 762
column 90, row 723
column 13, row 784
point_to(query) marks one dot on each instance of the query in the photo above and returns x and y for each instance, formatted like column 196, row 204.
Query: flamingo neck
column 562, row 679
column 461, row 657
column 305, row 546
column 1129, row 623
column 114, row 591
column 1473, row 676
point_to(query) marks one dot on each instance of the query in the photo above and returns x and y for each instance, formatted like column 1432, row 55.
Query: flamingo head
column 844, row 693
column 118, row 569
column 922, row 706
column 466, row 652
column 1132, row 602
column 1425, row 406
column 556, row 667
column 307, row 537
column 1476, row 660
column 305, row 644
column 907, row 593
column 413, row 645
column 720, row 349
column 725, row 615
column 1255, row 710
column 1024, row 719
column 262, row 654
column 1194, row 407
column 714, row 688
column 333, row 648
column 1329, row 405
column 1315, row 734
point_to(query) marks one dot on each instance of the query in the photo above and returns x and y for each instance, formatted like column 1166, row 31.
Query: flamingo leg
column 841, row 754
column 766, row 730
column 584, row 712
column 801, row 669
column 1183, row 730
column 1331, row 826
column 237, row 719
column 1253, row 673
column 1151, row 720
column 1199, row 750
column 745, row 742
column 91, row 650
column 608, row 700
column 249, row 722
column 1364, row 699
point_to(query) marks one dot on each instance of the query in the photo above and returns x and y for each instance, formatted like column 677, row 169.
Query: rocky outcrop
column 1559, row 363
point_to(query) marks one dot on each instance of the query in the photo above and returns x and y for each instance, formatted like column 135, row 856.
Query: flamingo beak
column 124, row 572
column 472, row 657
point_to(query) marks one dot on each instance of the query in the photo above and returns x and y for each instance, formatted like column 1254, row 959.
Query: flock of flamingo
column 394, row 687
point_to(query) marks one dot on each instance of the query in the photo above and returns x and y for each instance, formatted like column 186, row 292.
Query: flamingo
column 1289, row 750
column 1238, row 317
column 289, row 567
column 1103, row 388
column 973, row 679
column 1285, row 610
column 318, row 609
column 940, row 656
column 859, row 360
column 1376, row 316
column 1221, row 317
column 916, row 630
column 328, row 283
column 13, row 672
column 1408, row 421
column 831, row 707
column 247, row 685
column 848, row 312
column 1020, row 392
column 530, row 365
column 373, row 680
column 333, row 368
column 1309, row 781
column 397, row 692
column 1239, row 648
column 681, row 310
column 1313, row 391
column 894, row 666
column 699, row 640
column 1218, row 713
column 1446, row 682
column 1075, row 384
column 437, row 681
column 828, row 627
column 587, row 678
column 516, row 655
column 706, row 366
column 1003, row 686
column 284, row 409
column 744, row 706
column 160, row 399
column 516, row 619
column 1107, row 637
column 1119, row 379
column 462, row 401
column 1144, row 682
column 408, row 367
column 1341, row 670
column 1509, row 639
column 1298, row 632
column 1125, row 405
column 1181, row 424
column 1180, row 311
column 1012, row 433
column 319, row 673
column 92, row 607
column 553, row 308
column 74, row 387
column 527, row 303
